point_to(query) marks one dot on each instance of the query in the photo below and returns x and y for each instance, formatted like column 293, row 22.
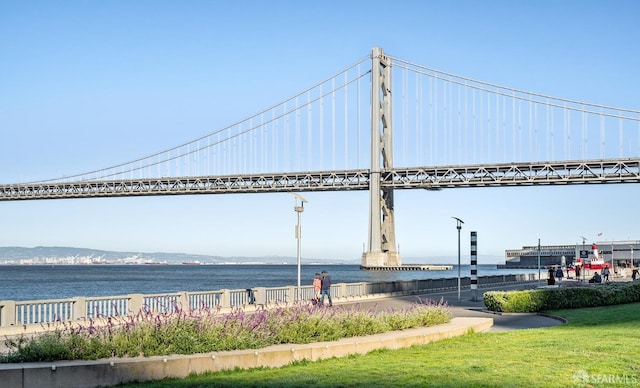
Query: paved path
column 465, row 307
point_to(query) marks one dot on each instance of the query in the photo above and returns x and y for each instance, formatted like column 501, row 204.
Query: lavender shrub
column 201, row 331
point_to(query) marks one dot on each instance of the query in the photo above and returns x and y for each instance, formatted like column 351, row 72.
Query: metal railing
column 14, row 313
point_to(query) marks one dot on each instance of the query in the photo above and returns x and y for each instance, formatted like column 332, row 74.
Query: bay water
column 35, row 282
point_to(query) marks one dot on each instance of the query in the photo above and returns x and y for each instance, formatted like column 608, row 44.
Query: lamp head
column 459, row 222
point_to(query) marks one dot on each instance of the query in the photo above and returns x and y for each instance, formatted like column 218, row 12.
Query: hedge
column 529, row 301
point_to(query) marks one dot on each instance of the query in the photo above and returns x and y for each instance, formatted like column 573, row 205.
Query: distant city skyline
column 95, row 84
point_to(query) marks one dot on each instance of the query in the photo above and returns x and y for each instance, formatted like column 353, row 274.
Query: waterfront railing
column 30, row 312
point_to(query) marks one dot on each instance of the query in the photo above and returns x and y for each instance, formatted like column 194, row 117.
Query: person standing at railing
column 326, row 288
column 317, row 287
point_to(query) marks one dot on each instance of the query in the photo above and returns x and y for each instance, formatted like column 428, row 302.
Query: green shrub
column 522, row 301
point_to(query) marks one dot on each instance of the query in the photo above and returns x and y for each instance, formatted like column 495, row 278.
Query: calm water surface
column 67, row 281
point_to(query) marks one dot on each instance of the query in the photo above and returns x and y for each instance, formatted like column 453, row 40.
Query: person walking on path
column 326, row 288
column 317, row 286
column 559, row 276
column 551, row 280
column 605, row 274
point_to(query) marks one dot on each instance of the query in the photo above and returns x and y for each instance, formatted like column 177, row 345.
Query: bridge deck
column 430, row 178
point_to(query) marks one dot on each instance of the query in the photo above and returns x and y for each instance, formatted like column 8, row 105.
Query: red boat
column 594, row 262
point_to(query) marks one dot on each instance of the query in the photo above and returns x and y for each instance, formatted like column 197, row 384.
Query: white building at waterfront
column 625, row 253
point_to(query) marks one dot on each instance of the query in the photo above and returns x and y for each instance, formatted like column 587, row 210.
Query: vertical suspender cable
column 435, row 120
column 297, row 137
column 499, row 139
column 196, row 158
column 274, row 141
column 286, row 139
column 405, row 126
column 583, row 140
column 568, row 140
column 459, row 137
column 321, row 130
column 309, row 167
column 187, row 165
column 620, row 137
column 358, row 129
column 418, row 122
column 420, row 126
column 513, row 126
column 346, row 121
column 466, row 123
column 431, row 121
column 549, row 131
column 333, row 124
column 208, row 155
column 263, row 145
column 451, row 124
column 445, row 122
column 473, row 137
column 504, row 128
column 535, row 131
column 603, row 140
column 519, row 143
column 531, row 140
column 481, row 121
column 489, row 127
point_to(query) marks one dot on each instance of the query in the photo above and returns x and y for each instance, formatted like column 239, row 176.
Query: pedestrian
column 605, row 274
column 317, row 286
column 634, row 274
column 578, row 272
column 326, row 288
column 551, row 280
column 559, row 276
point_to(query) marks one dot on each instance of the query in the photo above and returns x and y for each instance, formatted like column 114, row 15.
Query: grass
column 599, row 346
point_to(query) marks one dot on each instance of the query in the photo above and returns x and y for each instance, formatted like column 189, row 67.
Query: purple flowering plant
column 191, row 331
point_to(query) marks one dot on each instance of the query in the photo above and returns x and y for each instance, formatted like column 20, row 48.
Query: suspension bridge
column 351, row 131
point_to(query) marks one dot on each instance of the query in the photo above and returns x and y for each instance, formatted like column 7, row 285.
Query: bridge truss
column 430, row 178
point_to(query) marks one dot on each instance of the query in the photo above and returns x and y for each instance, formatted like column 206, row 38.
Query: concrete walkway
column 465, row 307
column 468, row 315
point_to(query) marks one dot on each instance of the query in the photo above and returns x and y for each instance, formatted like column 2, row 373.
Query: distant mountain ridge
column 16, row 254
column 13, row 254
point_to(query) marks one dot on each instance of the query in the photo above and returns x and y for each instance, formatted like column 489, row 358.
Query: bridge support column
column 382, row 239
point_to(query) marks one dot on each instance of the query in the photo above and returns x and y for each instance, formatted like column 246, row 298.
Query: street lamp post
column 583, row 260
column 459, row 223
column 299, row 202
column 539, row 274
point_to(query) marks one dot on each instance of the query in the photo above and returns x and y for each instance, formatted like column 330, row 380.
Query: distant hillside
column 15, row 254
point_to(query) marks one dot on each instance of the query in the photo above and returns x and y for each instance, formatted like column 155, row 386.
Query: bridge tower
column 382, row 239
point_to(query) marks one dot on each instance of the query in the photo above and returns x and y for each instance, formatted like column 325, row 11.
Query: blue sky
column 98, row 83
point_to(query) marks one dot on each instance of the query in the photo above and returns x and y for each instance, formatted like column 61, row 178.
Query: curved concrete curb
column 556, row 317
column 109, row 372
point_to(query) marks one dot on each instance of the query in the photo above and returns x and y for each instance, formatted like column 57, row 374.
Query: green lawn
column 598, row 347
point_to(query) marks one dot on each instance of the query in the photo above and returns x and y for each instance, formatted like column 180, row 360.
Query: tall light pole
column 584, row 240
column 459, row 223
column 298, row 206
column 539, row 263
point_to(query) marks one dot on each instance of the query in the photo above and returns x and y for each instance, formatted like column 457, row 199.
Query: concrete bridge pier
column 382, row 240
